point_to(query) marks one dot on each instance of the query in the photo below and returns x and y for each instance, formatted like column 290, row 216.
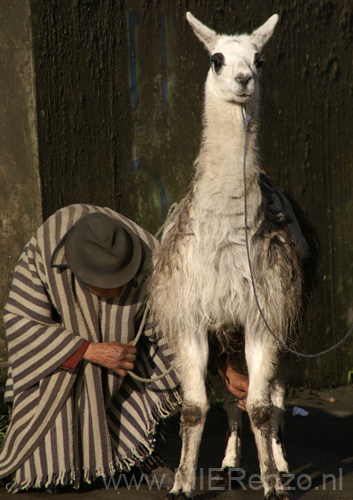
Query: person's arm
column 37, row 343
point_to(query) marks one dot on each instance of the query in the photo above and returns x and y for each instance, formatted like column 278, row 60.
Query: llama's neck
column 221, row 158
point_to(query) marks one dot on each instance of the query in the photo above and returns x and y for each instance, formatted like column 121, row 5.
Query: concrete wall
column 119, row 102
column 20, row 200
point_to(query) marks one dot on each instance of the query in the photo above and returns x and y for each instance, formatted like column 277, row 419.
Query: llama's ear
column 261, row 36
column 206, row 35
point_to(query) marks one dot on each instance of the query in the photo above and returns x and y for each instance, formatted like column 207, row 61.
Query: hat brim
column 100, row 278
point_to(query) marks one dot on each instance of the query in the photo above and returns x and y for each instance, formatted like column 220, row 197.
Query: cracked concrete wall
column 119, row 103
column 20, row 200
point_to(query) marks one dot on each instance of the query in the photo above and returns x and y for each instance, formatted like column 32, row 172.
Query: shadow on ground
column 319, row 449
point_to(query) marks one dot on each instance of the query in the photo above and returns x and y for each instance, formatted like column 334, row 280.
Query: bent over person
column 75, row 304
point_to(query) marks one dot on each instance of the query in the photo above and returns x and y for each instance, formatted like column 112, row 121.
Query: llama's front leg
column 261, row 358
column 191, row 364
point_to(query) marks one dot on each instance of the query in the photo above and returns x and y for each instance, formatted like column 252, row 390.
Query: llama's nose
column 243, row 78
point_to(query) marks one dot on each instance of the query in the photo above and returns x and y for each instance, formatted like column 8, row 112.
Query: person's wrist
column 90, row 352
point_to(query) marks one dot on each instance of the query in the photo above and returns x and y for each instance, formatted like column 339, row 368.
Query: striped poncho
column 71, row 427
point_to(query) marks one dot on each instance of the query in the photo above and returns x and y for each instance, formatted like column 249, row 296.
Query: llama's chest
column 217, row 268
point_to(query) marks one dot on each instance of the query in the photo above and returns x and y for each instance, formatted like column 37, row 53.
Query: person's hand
column 237, row 384
column 117, row 357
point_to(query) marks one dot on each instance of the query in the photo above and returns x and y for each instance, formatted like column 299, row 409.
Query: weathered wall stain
column 20, row 204
column 313, row 156
column 119, row 103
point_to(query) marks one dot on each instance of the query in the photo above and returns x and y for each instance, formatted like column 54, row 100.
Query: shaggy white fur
column 201, row 281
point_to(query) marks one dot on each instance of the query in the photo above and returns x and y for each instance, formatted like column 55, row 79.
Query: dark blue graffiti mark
column 164, row 60
column 164, row 206
column 133, row 26
column 333, row 251
column 137, row 164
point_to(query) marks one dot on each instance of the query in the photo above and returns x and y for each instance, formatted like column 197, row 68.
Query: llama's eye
column 258, row 60
column 217, row 60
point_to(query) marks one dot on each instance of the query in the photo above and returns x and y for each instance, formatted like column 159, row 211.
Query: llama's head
column 235, row 60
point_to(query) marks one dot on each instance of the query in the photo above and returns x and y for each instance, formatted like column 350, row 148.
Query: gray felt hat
column 102, row 251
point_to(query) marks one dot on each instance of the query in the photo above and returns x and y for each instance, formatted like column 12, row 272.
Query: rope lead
column 171, row 213
column 137, row 338
column 246, row 120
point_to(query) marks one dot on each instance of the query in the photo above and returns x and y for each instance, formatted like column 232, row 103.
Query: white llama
column 201, row 284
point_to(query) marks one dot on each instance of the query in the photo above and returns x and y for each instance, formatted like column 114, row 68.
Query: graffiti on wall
column 140, row 162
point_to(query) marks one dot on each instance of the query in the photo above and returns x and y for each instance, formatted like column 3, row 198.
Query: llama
column 201, row 287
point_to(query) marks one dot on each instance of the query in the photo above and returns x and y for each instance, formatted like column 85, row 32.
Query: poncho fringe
column 124, row 463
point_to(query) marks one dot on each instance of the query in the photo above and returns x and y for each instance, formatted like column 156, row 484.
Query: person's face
column 107, row 293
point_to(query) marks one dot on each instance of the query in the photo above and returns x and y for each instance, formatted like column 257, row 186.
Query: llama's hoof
column 177, row 496
column 228, row 475
column 283, row 495
column 272, row 494
column 220, row 477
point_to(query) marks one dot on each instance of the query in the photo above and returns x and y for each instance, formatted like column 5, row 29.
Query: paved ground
column 319, row 449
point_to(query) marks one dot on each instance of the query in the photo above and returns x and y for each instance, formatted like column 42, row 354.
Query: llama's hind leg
column 277, row 397
column 234, row 414
column 232, row 454
column 261, row 358
column 192, row 365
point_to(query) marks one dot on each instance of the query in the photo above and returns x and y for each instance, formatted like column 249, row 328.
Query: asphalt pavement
column 319, row 449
